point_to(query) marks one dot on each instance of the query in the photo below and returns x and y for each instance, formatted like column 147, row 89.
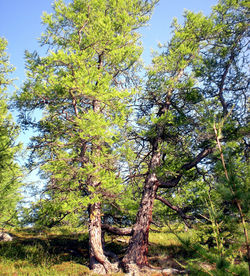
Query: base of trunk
column 99, row 263
column 98, row 268
column 132, row 269
column 138, row 245
column 136, row 255
column 105, row 268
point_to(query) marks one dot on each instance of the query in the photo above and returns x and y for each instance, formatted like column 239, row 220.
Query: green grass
column 44, row 254
column 61, row 253
column 178, row 249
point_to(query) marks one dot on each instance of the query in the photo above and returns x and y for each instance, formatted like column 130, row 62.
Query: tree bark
column 98, row 261
column 116, row 230
column 136, row 253
column 5, row 237
column 138, row 245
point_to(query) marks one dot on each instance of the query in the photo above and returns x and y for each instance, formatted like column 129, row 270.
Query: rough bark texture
column 136, row 254
column 98, row 261
column 138, row 246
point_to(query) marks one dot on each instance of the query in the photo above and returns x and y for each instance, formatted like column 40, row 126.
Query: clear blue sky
column 20, row 24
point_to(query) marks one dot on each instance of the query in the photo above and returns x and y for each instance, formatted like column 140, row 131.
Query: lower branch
column 116, row 230
column 175, row 208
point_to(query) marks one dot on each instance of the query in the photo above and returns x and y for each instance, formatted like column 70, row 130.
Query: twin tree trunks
column 136, row 253
column 75, row 78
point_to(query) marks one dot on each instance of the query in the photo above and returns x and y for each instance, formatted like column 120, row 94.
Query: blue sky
column 20, row 24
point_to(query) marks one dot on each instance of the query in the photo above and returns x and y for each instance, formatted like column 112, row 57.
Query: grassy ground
column 61, row 253
column 44, row 254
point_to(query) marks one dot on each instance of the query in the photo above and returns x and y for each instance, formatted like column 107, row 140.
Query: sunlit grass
column 65, row 251
column 26, row 268
column 44, row 253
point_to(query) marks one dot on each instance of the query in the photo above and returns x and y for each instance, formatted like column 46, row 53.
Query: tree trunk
column 138, row 245
column 98, row 261
column 136, row 254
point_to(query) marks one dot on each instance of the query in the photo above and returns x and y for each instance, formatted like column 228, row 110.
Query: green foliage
column 194, row 101
column 200, row 80
column 10, row 173
column 83, row 87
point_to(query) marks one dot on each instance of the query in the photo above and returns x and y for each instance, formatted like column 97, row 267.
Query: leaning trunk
column 138, row 246
column 98, row 261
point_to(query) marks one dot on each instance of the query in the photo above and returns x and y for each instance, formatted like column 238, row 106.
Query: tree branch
column 116, row 230
column 174, row 181
column 175, row 208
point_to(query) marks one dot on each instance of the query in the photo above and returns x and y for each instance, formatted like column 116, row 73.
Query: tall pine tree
column 198, row 78
column 82, row 86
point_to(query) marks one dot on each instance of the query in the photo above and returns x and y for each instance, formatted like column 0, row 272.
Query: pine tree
column 197, row 78
column 168, row 124
column 10, row 173
column 223, row 74
column 82, row 87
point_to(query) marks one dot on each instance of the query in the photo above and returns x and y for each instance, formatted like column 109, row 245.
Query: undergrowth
column 58, row 252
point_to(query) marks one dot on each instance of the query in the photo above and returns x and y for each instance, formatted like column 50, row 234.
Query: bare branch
column 175, row 208
column 116, row 230
column 174, row 181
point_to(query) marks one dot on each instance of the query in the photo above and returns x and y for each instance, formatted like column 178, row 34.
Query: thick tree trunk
column 136, row 254
column 98, row 261
column 138, row 245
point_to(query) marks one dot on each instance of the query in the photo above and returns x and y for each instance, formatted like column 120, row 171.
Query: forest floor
column 61, row 253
